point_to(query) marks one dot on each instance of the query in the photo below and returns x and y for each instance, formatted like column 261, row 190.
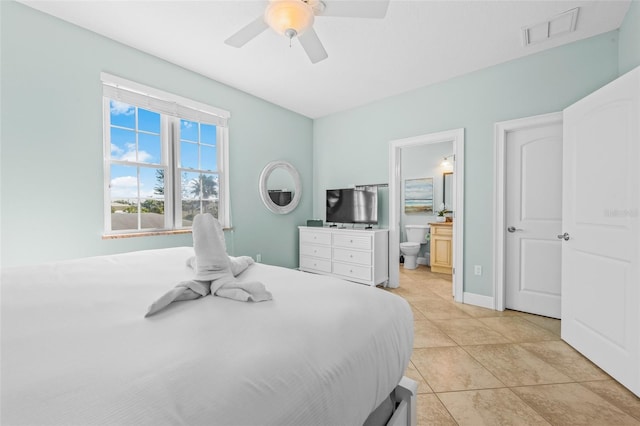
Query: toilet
column 416, row 235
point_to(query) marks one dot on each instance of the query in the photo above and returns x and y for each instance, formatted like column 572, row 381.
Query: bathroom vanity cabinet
column 442, row 247
column 360, row 255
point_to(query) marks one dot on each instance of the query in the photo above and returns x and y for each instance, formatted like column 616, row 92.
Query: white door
column 533, row 218
column 601, row 187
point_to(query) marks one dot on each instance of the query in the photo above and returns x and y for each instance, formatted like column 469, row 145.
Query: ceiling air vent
column 559, row 24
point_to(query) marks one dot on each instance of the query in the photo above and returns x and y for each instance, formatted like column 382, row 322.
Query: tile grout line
column 415, row 285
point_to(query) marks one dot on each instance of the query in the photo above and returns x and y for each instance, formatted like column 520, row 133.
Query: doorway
column 395, row 190
column 529, row 215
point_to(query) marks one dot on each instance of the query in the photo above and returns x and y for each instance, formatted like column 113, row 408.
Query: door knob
column 514, row 229
column 564, row 236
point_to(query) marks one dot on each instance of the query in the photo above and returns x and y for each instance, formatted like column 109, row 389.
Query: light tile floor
column 476, row 366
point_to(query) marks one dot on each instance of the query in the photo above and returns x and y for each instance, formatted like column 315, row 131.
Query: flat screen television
column 352, row 205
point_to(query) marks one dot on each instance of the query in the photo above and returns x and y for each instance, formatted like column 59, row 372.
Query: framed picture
column 418, row 195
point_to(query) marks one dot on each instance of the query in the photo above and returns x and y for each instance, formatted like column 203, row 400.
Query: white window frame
column 172, row 109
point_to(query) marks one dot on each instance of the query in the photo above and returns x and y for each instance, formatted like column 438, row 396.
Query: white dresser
column 360, row 255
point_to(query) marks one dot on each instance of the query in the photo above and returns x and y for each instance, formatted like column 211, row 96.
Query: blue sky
column 194, row 138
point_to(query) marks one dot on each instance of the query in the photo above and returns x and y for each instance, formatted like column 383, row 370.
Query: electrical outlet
column 258, row 258
column 477, row 269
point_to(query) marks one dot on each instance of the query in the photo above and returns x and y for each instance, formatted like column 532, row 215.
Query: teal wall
column 629, row 39
column 352, row 147
column 51, row 137
column 51, row 163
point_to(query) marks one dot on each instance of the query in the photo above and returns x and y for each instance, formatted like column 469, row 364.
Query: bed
column 77, row 350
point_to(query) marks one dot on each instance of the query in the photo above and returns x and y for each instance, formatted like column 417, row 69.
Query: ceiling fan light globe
column 285, row 15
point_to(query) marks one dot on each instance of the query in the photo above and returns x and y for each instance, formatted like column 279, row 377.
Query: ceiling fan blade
column 356, row 8
column 248, row 32
column 313, row 46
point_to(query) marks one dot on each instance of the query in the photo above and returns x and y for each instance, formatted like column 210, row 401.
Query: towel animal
column 237, row 264
column 213, row 268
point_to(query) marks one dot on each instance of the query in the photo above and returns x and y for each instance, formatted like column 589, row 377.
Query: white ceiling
column 418, row 43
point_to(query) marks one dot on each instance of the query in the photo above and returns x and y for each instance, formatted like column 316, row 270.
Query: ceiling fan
column 294, row 18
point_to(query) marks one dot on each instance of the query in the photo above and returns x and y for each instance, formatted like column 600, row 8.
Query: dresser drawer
column 315, row 237
column 356, row 255
column 359, row 257
column 362, row 242
column 312, row 263
column 352, row 271
column 316, row 251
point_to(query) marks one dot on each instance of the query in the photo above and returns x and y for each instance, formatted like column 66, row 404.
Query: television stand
column 351, row 254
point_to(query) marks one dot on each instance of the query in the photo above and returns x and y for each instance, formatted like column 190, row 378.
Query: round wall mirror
column 280, row 187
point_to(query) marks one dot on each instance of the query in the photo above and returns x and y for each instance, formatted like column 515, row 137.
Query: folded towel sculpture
column 237, row 264
column 214, row 272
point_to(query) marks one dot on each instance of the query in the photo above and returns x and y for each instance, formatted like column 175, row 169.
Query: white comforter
column 76, row 348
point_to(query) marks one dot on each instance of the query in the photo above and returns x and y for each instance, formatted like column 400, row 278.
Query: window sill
column 145, row 234
column 151, row 233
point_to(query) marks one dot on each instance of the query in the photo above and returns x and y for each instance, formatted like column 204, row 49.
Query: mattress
column 76, row 348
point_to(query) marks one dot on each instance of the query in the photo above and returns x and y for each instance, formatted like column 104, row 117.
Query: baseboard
column 423, row 261
column 478, row 300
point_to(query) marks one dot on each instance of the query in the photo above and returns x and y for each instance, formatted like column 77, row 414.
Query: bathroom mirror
column 280, row 187
column 447, row 188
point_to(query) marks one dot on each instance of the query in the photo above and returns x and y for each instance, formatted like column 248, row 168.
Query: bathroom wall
column 423, row 162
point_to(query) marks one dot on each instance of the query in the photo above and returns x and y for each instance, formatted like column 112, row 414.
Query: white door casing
column 601, row 258
column 534, row 219
column 528, row 200
column 395, row 148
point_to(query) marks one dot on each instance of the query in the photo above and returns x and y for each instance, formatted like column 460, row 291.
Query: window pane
column 123, row 115
column 151, row 202
column 208, row 160
column 148, row 121
column 126, row 185
column 159, row 185
column 149, row 182
column 208, row 134
column 149, row 148
column 199, row 194
column 210, row 207
column 206, row 187
column 123, row 144
column 188, row 155
column 190, row 198
column 124, row 182
column 124, row 197
column 189, row 130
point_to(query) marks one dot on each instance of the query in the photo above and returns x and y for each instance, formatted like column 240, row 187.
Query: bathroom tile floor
column 476, row 366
